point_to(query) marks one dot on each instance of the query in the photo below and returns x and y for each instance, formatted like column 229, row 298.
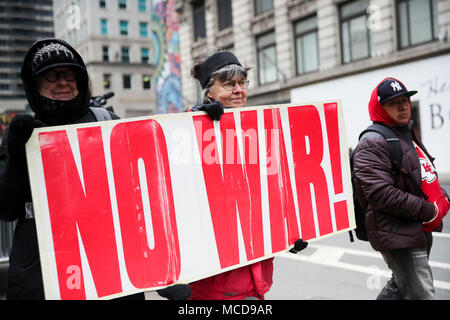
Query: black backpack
column 396, row 159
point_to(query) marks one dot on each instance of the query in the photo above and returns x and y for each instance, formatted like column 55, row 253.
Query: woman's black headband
column 215, row 62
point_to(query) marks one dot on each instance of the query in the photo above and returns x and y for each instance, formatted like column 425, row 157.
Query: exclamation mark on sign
column 340, row 207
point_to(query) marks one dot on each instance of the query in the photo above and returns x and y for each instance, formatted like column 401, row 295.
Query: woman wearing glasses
column 58, row 84
column 224, row 85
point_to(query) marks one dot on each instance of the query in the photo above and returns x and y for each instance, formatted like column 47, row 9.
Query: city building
column 311, row 50
column 21, row 23
column 114, row 38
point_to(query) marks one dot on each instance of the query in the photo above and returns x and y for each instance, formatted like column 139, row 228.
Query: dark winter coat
column 395, row 208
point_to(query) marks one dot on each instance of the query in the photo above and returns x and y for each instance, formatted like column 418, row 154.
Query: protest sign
column 130, row 205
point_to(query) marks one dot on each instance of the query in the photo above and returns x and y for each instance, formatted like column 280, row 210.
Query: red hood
column 376, row 111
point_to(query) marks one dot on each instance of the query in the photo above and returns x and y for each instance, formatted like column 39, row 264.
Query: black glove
column 299, row 245
column 19, row 132
column 214, row 109
column 176, row 292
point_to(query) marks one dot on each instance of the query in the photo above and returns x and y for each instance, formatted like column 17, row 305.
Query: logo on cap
column 391, row 88
column 396, row 86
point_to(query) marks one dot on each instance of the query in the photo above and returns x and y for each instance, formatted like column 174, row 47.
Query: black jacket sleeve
column 14, row 189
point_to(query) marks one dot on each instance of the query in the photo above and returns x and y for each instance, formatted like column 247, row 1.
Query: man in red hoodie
column 402, row 209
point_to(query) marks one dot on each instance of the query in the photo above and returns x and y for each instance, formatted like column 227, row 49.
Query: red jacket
column 250, row 281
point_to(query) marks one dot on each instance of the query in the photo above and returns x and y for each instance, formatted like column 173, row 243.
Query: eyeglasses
column 230, row 85
column 53, row 76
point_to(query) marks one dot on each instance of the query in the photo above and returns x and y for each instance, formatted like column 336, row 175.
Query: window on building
column 416, row 22
column 146, row 82
column 102, row 3
column 306, row 45
column 122, row 4
column 106, row 81
column 104, row 27
column 262, row 6
column 145, row 56
column 143, row 29
column 355, row 35
column 125, row 51
column 142, row 5
column 105, row 53
column 126, row 81
column 198, row 9
column 267, row 58
column 224, row 14
column 123, row 27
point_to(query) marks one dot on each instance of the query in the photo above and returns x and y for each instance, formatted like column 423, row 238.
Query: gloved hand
column 19, row 132
column 176, row 292
column 299, row 245
column 214, row 109
column 442, row 206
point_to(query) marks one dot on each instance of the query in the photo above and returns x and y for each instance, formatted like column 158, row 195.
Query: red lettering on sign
column 281, row 200
column 307, row 150
column 331, row 119
column 233, row 188
column 74, row 209
column 130, row 142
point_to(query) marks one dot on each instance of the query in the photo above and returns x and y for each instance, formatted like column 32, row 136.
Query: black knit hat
column 52, row 55
column 215, row 62
column 43, row 55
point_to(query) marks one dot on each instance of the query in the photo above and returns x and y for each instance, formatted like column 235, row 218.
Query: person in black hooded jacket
column 56, row 84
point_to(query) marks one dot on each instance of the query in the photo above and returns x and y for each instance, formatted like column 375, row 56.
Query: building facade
column 310, row 50
column 21, row 23
column 114, row 38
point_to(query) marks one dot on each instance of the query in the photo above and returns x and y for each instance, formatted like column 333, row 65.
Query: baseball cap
column 392, row 88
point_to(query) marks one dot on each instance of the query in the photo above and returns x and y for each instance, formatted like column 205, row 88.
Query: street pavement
column 336, row 269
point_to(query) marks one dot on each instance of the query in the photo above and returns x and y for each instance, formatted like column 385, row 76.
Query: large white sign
column 130, row 205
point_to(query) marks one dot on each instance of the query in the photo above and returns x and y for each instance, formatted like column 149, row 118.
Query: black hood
column 73, row 109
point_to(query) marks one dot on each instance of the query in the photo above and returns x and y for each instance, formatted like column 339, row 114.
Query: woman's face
column 58, row 83
column 230, row 93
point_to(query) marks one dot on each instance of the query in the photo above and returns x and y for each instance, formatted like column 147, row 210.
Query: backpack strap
column 393, row 141
column 101, row 114
column 395, row 151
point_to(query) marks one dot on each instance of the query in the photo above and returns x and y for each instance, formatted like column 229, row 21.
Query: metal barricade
column 6, row 237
